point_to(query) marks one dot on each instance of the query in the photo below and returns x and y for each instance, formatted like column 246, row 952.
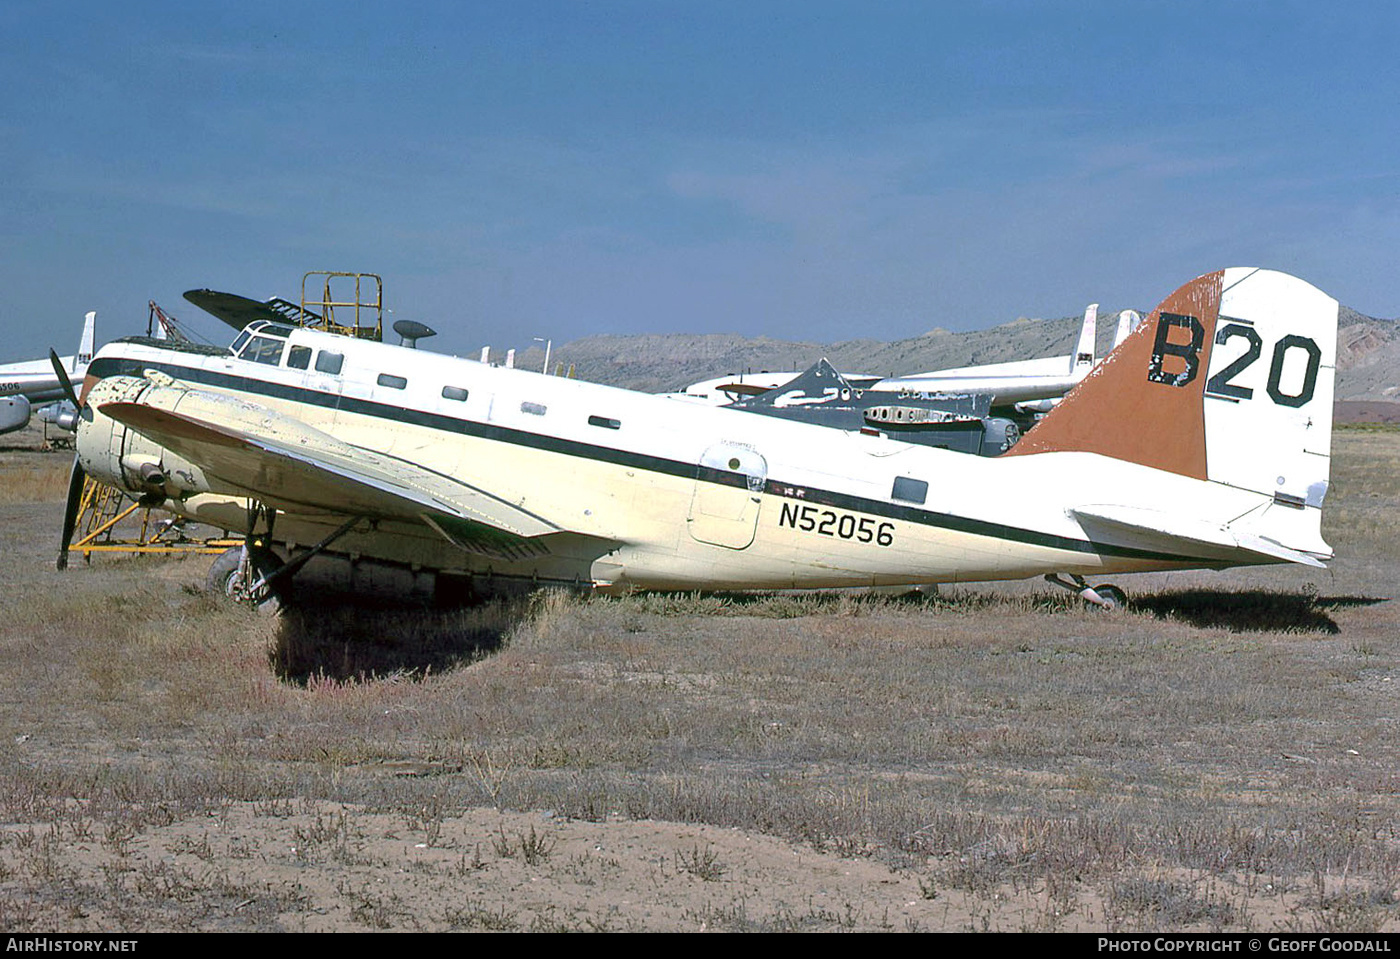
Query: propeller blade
column 76, row 479
column 63, row 380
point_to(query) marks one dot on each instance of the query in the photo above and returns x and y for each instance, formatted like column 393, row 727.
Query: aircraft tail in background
column 31, row 382
column 87, row 345
column 1084, row 357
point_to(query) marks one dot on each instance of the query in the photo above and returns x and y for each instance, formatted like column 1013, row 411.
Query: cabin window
column 909, row 490
column 392, row 381
column 534, row 409
column 299, row 357
column 454, row 393
column 264, row 349
column 605, row 422
column 328, row 362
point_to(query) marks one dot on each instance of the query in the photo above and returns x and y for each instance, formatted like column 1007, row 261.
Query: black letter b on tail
column 1162, row 347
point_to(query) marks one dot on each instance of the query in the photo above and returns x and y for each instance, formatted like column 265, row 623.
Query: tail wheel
column 1112, row 596
column 1106, row 596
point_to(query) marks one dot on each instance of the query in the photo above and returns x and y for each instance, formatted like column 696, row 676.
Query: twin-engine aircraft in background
column 1202, row 441
column 31, row 383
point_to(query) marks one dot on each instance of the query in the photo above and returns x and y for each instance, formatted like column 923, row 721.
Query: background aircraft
column 26, row 384
column 1028, row 382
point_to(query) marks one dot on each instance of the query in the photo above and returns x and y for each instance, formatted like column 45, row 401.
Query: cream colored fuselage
column 654, row 493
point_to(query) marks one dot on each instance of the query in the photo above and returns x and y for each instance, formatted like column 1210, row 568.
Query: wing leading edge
column 249, row 450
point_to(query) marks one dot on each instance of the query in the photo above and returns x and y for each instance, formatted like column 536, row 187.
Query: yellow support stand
column 102, row 527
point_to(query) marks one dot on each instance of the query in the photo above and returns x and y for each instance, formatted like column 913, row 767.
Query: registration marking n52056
column 838, row 524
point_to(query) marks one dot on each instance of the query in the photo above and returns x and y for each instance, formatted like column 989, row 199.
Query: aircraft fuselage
column 654, row 493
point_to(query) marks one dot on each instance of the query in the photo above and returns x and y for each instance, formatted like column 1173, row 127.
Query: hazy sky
column 808, row 170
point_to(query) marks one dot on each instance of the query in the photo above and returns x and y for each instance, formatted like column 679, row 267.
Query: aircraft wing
column 286, row 463
column 1153, row 529
column 1005, row 388
column 238, row 311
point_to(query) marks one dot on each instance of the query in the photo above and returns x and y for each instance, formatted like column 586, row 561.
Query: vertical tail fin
column 1143, row 402
column 1128, row 321
column 88, row 344
column 1084, row 351
column 1230, row 379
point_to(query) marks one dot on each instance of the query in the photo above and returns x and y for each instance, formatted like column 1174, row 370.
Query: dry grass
column 1219, row 756
column 33, row 477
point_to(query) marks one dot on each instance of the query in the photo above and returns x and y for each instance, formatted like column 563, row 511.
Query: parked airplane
column 25, row 384
column 1202, row 441
column 1014, row 382
column 822, row 396
column 1036, row 384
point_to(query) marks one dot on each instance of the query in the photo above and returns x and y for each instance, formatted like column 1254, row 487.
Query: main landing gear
column 1106, row 596
column 255, row 573
column 242, row 573
column 247, row 573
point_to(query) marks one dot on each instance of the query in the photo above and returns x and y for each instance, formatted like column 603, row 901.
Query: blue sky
column 805, row 170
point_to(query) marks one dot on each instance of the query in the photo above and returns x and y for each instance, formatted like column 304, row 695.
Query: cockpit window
column 238, row 343
column 264, row 349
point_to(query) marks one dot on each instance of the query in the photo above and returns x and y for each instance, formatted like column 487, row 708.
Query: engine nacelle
column 999, row 434
column 14, row 413
column 113, row 454
column 61, row 416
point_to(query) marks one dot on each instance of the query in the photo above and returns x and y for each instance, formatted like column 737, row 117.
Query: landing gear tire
column 234, row 572
column 1106, row 596
column 1112, row 596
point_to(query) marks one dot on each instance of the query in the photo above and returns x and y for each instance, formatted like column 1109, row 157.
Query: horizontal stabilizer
column 283, row 461
column 1153, row 529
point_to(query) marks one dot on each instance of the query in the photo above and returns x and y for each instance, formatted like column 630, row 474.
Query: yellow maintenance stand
column 107, row 524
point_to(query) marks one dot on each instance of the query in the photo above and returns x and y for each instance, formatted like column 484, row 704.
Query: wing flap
column 258, row 452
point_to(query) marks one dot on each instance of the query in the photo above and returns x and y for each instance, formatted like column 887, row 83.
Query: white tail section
column 1084, row 351
column 1128, row 321
column 88, row 344
column 1268, row 395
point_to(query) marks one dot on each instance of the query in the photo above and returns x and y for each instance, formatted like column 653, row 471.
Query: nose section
column 89, row 382
column 100, row 439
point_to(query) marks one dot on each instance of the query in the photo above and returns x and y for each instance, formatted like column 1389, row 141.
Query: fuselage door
column 728, row 495
column 322, row 376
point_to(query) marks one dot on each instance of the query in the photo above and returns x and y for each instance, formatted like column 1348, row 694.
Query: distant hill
column 1368, row 353
column 1368, row 358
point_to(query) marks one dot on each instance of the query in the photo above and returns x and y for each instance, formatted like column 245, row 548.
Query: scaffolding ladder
column 367, row 303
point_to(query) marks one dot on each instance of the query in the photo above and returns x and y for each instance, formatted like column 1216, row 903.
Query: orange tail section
column 1144, row 402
